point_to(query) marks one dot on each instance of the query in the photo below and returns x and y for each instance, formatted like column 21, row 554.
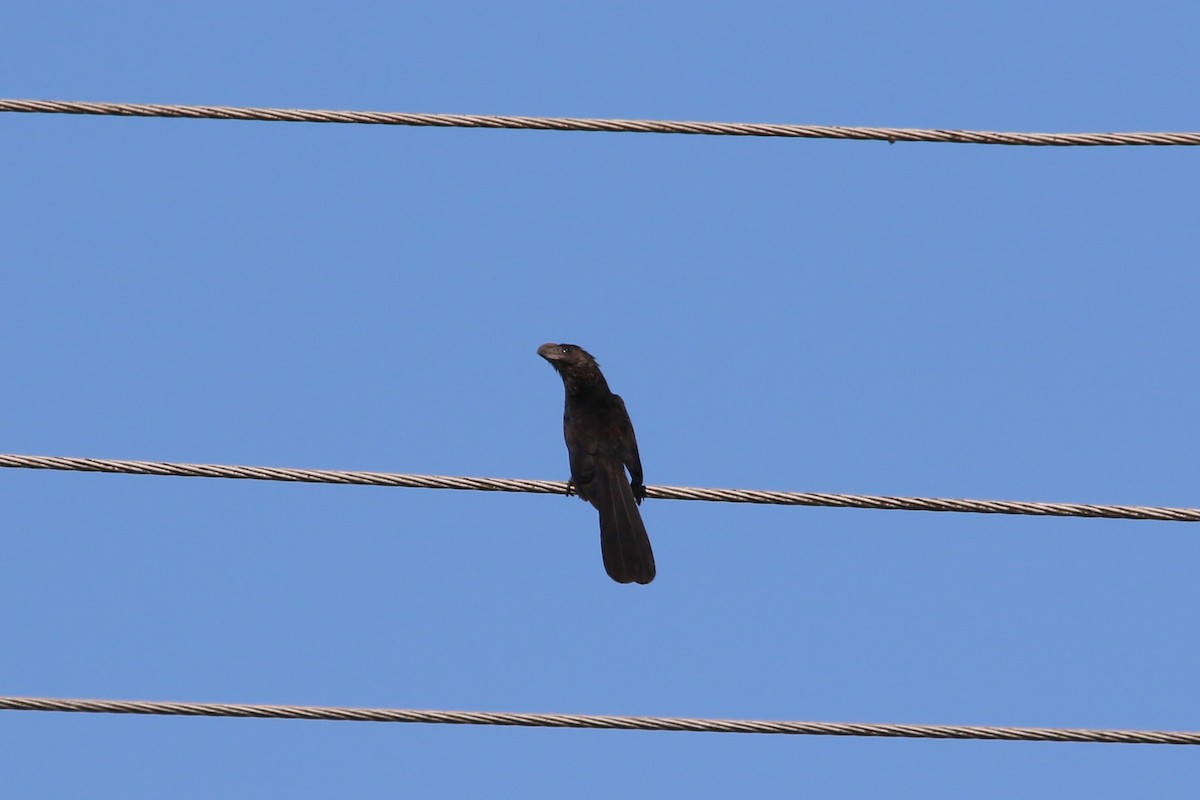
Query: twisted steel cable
column 529, row 720
column 559, row 487
column 604, row 125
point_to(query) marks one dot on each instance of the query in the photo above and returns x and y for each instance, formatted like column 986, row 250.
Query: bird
column 600, row 447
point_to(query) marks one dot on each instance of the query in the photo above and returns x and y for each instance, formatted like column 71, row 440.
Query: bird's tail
column 623, row 539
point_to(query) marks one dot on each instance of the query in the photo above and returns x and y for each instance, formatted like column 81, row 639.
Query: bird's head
column 564, row 355
column 578, row 369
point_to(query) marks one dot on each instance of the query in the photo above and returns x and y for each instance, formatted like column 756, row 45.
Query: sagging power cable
column 1019, row 507
column 892, row 135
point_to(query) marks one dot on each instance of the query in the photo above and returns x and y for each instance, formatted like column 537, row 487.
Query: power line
column 600, row 125
column 167, row 468
column 527, row 720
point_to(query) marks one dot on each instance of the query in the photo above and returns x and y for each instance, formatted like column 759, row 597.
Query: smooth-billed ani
column 600, row 446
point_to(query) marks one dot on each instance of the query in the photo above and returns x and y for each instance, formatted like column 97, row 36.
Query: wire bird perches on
column 693, row 725
column 559, row 487
column 605, row 125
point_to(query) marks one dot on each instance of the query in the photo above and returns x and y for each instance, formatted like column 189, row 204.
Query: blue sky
column 938, row 320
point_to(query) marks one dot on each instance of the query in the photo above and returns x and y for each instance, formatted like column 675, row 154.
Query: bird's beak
column 549, row 351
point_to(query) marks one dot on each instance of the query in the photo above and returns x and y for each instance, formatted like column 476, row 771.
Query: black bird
column 601, row 445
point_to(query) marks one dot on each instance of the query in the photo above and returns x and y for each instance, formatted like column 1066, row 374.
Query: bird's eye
column 565, row 349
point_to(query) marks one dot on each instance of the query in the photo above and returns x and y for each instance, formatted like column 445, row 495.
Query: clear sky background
column 937, row 320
